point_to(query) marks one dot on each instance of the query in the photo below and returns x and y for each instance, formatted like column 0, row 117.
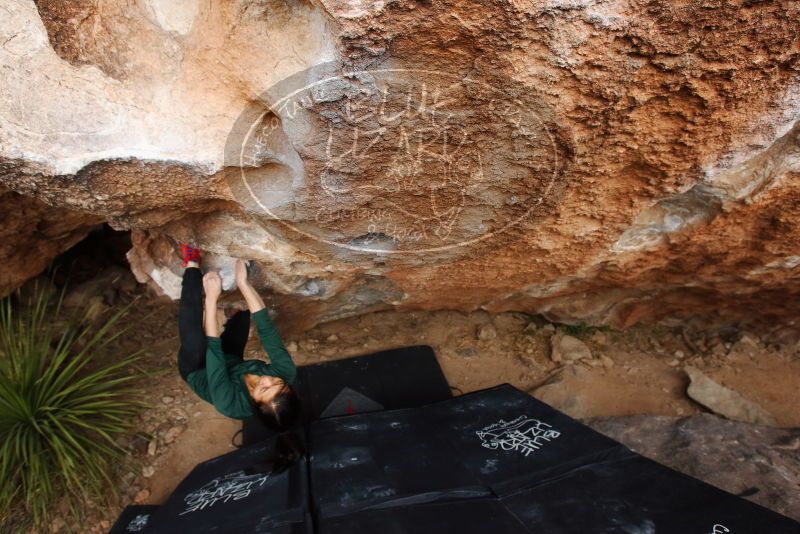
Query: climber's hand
column 212, row 284
column 241, row 273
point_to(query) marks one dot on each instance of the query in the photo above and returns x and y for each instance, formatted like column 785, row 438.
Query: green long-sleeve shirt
column 222, row 384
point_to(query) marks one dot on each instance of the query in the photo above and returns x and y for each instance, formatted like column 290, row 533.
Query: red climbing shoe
column 189, row 253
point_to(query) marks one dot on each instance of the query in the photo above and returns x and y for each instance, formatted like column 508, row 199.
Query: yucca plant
column 61, row 410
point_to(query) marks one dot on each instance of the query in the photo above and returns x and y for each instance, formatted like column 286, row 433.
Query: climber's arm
column 213, row 287
column 254, row 301
column 220, row 389
column 280, row 360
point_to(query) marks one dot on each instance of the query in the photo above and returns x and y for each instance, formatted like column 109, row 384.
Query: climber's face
column 266, row 389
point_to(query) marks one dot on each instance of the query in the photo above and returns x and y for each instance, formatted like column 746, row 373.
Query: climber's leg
column 192, row 353
column 235, row 333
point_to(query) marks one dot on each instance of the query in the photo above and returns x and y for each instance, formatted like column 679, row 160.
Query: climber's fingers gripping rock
column 241, row 272
column 212, row 284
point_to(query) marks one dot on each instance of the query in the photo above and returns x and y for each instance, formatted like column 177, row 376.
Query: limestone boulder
column 725, row 401
column 564, row 348
column 604, row 162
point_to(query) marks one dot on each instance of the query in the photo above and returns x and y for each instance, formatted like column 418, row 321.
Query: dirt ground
column 638, row 371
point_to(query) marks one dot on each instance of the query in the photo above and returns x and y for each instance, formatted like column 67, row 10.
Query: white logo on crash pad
column 234, row 486
column 138, row 523
column 522, row 434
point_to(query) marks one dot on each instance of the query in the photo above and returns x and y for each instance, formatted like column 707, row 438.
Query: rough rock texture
column 725, row 401
column 568, row 348
column 759, row 463
column 604, row 161
column 33, row 233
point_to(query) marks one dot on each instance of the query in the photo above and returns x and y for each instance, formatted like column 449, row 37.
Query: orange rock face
column 606, row 162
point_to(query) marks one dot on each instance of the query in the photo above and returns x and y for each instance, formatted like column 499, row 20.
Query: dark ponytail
column 288, row 448
column 282, row 412
column 282, row 415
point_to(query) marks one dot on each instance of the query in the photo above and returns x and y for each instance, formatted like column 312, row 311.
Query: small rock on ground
column 565, row 348
column 600, row 337
column 173, row 433
column 486, row 332
column 142, row 496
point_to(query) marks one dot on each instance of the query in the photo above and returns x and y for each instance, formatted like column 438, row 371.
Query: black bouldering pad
column 491, row 442
column 629, row 495
column 495, row 461
column 348, row 402
column 509, row 440
column 392, row 379
column 386, row 458
column 405, row 377
column 134, row 519
column 474, row 516
column 233, row 493
column 635, row 494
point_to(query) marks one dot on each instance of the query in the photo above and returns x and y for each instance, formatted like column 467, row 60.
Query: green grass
column 582, row 329
column 62, row 409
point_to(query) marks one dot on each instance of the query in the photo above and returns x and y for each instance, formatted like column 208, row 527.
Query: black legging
column 192, row 354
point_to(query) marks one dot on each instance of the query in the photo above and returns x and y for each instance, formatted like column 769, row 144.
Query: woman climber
column 213, row 364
